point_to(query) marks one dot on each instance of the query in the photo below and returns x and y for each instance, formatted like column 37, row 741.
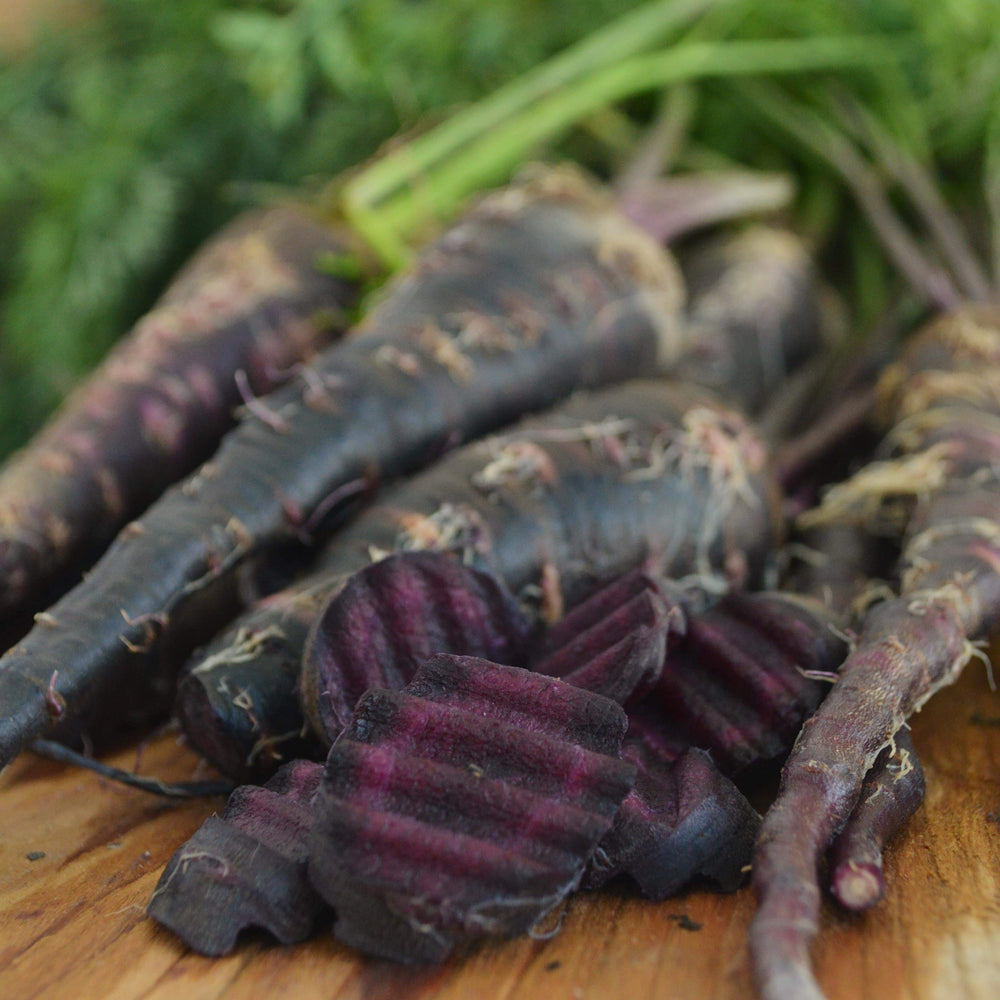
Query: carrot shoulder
column 540, row 290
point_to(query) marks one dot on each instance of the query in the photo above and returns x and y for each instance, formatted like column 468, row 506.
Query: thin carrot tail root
column 784, row 876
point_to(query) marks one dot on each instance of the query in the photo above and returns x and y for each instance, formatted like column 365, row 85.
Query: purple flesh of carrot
column 940, row 402
column 739, row 684
column 467, row 804
column 395, row 614
column 538, row 292
column 245, row 869
column 252, row 301
column 613, row 643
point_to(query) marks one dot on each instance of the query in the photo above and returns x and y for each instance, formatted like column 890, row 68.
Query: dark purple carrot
column 647, row 472
column 941, row 402
column 540, row 290
column 683, row 820
column 892, row 792
column 260, row 653
column 245, row 869
column 392, row 616
column 468, row 804
column 254, row 301
column 612, row 643
column 755, row 314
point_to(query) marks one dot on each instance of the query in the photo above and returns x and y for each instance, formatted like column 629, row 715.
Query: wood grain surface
column 72, row 923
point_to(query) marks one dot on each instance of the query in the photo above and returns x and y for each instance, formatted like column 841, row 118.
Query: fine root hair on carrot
column 246, row 645
column 975, row 388
column 872, row 593
column 863, row 498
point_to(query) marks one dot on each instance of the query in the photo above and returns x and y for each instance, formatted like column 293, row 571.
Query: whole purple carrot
column 253, row 301
column 542, row 289
column 942, row 403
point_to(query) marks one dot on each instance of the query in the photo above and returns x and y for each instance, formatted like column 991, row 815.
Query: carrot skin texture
column 941, row 405
column 539, row 291
column 253, row 300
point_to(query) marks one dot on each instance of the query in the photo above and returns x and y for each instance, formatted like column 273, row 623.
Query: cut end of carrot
column 858, row 885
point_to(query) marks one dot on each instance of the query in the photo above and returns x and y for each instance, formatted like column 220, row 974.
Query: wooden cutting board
column 72, row 923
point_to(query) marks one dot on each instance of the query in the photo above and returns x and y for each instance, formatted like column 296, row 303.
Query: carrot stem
column 825, row 141
column 493, row 155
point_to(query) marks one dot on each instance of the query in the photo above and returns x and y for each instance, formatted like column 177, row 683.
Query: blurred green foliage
column 125, row 142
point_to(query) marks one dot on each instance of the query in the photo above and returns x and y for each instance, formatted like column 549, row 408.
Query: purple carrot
column 394, row 615
column 755, row 314
column 245, row 869
column 613, row 643
column 648, row 472
column 467, row 804
column 741, row 682
column 540, row 290
column 941, row 404
column 682, row 820
column 724, row 340
column 253, row 301
column 892, row 792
